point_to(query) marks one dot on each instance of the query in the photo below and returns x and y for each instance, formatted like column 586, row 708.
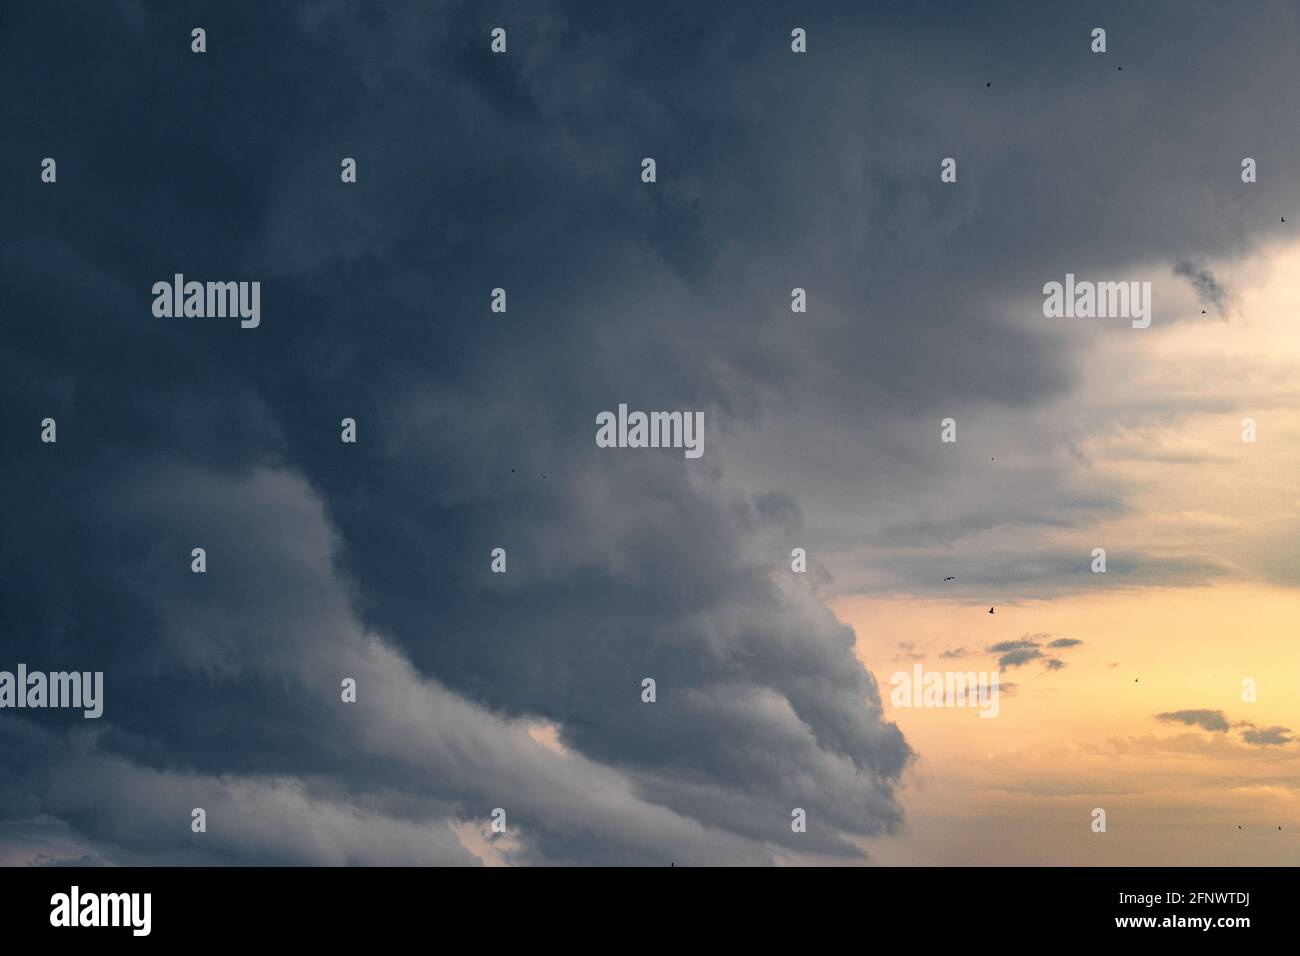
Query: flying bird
column 950, row 579
column 990, row 610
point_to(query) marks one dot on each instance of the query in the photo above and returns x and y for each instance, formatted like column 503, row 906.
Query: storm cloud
column 371, row 561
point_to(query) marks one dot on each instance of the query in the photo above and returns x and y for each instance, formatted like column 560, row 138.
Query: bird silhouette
column 990, row 610
column 950, row 579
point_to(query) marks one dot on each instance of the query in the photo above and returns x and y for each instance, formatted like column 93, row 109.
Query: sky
column 372, row 560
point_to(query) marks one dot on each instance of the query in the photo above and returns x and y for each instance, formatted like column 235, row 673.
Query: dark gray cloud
column 963, row 268
column 1212, row 720
column 1267, row 736
column 1208, row 289
column 1015, row 653
column 1017, row 658
column 1029, row 648
column 1217, row 721
column 371, row 561
column 1024, row 643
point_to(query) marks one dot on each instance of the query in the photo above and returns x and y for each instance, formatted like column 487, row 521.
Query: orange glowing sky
column 1020, row 789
